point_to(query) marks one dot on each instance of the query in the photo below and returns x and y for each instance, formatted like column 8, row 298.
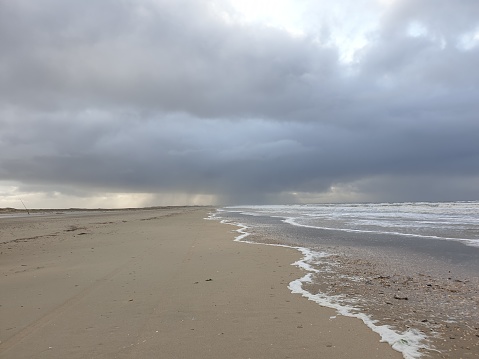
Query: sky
column 130, row 103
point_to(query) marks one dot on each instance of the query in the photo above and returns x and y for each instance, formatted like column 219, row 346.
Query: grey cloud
column 164, row 57
column 441, row 18
column 161, row 96
column 244, row 160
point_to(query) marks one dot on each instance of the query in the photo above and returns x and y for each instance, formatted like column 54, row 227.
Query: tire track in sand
column 58, row 311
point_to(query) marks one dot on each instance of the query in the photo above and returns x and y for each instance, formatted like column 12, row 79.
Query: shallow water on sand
column 414, row 267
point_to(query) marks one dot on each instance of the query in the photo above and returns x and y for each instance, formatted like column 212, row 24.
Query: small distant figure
column 25, row 207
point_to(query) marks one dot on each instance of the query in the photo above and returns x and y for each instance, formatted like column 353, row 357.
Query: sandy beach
column 159, row 283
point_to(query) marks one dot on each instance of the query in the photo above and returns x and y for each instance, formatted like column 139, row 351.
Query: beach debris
column 74, row 228
column 208, row 280
column 400, row 297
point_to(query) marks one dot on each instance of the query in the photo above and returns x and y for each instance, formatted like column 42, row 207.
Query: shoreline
column 163, row 282
column 410, row 343
column 437, row 306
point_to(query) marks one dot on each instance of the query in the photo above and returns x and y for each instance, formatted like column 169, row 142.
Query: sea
column 409, row 271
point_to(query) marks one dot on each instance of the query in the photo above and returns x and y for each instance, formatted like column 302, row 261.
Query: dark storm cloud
column 177, row 96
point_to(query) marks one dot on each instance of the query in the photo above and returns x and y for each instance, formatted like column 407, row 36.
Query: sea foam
column 408, row 343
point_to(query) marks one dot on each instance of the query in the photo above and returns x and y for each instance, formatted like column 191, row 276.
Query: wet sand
column 158, row 283
column 396, row 283
column 443, row 307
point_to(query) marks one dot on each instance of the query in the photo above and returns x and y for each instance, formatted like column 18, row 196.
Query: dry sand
column 162, row 283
